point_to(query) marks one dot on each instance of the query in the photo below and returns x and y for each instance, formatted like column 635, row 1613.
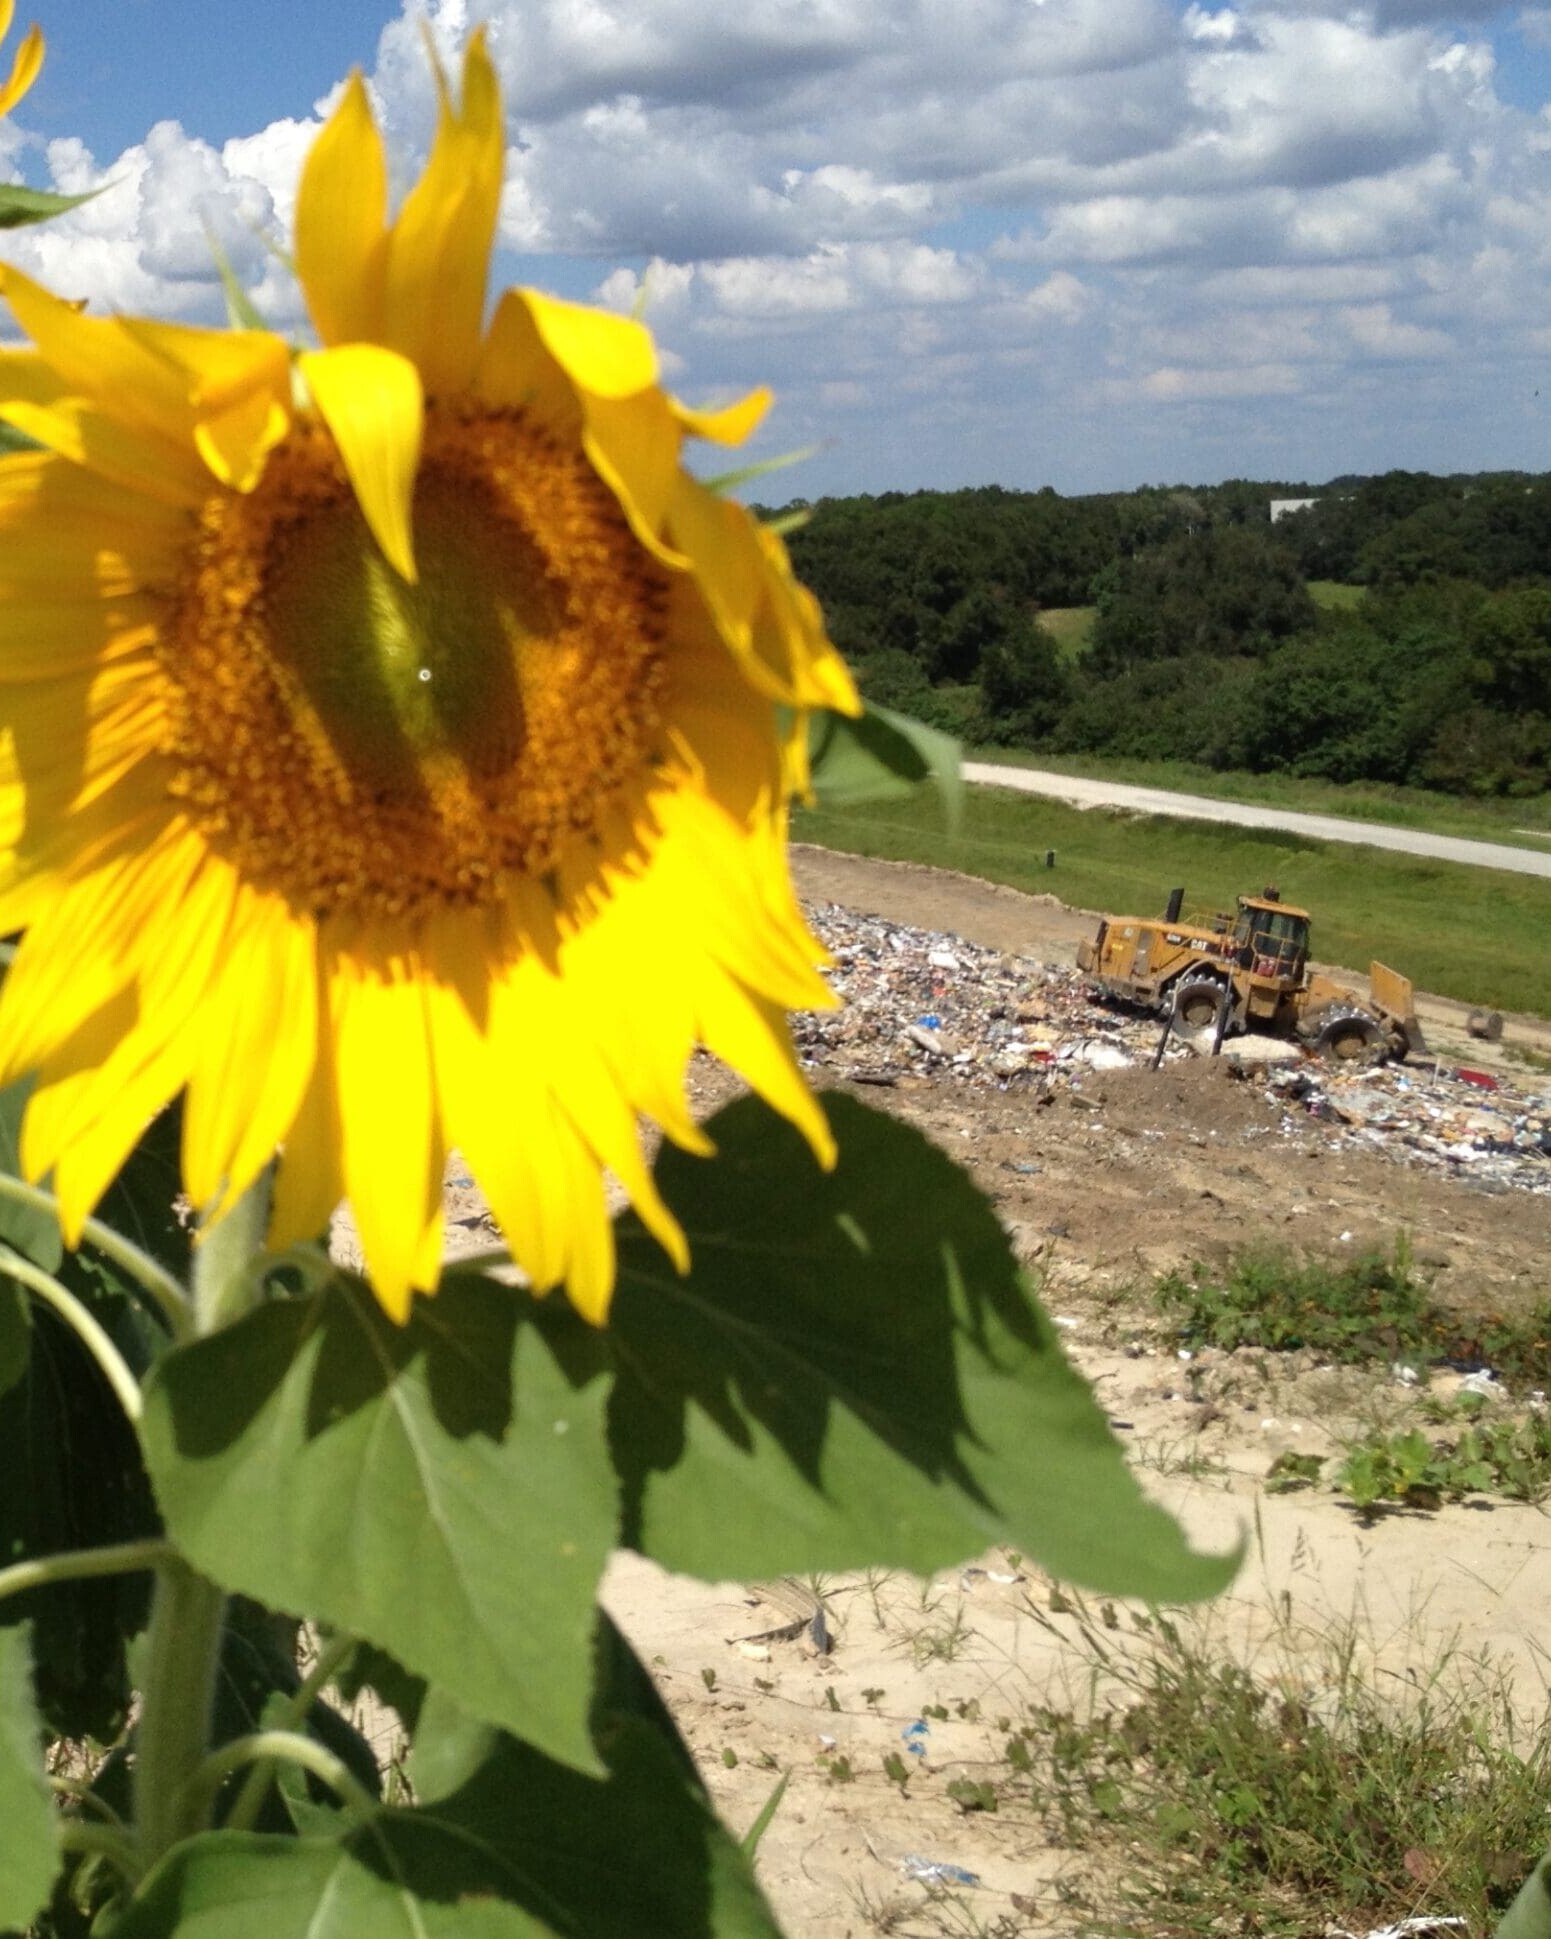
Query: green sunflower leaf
column 71, row 1477
column 29, row 1832
column 855, row 1374
column 19, row 206
column 29, row 1229
column 523, row 1848
column 879, row 755
column 441, row 1489
column 1529, row 1917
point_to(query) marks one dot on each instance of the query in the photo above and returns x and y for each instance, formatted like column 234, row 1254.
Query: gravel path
column 1199, row 807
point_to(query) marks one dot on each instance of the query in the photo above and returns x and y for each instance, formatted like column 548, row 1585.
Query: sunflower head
column 397, row 738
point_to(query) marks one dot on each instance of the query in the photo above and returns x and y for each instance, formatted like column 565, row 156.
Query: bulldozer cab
column 1271, row 940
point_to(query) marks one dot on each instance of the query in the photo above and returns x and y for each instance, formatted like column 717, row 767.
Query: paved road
column 1200, row 807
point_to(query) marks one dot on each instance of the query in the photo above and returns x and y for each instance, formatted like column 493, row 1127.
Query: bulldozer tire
column 1347, row 1036
column 1195, row 1002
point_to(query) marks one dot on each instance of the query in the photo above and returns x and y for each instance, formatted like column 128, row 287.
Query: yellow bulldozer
column 1255, row 963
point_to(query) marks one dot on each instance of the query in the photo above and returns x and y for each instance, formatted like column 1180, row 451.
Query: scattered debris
column 804, row 1609
column 923, row 1008
column 930, row 1871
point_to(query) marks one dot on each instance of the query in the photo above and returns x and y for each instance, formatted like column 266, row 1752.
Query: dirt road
column 1199, row 807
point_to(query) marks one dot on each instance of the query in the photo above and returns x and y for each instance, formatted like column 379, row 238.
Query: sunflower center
column 374, row 748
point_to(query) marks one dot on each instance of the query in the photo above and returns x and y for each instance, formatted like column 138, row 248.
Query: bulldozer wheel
column 1348, row 1036
column 1195, row 1002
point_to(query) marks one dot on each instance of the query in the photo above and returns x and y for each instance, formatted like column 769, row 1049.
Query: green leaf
column 29, row 1833
column 1529, row 1917
column 855, row 1374
column 879, row 755
column 33, row 1232
column 525, row 1848
column 19, row 206
column 71, row 1477
column 442, row 1489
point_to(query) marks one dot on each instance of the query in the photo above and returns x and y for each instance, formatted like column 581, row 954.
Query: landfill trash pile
column 925, row 1007
column 919, row 1004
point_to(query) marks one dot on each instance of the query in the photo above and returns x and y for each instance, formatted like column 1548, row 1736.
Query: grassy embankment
column 1475, row 934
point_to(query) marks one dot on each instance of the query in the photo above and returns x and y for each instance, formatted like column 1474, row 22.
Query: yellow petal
column 257, row 1041
column 730, row 425
column 341, row 216
column 439, row 247
column 85, row 434
column 310, row 1182
column 24, row 69
column 238, row 389
column 633, row 443
column 393, row 1157
column 516, row 372
column 371, row 400
column 98, row 357
column 608, row 355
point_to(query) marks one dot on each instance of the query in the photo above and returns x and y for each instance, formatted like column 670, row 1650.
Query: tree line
column 1432, row 668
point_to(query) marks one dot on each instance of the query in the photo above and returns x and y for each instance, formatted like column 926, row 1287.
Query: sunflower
column 396, row 740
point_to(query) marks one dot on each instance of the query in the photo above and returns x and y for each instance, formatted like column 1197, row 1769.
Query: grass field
column 1522, row 824
column 1334, row 597
column 1071, row 627
column 1475, row 934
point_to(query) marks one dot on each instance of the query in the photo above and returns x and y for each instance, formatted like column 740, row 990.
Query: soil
column 1145, row 1171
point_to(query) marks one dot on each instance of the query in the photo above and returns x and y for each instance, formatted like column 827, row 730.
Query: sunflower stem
column 182, row 1649
column 243, row 1815
column 291, row 1747
column 74, row 1565
column 187, row 1612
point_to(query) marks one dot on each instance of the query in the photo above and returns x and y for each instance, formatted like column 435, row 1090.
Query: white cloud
column 997, row 216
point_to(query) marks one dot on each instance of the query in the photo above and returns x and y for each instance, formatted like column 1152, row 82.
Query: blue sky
column 1090, row 243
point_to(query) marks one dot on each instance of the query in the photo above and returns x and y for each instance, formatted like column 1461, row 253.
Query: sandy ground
column 1188, row 1164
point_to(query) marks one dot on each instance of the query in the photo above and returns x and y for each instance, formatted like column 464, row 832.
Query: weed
column 1209, row 1799
column 708, row 1678
column 940, row 1636
column 1291, row 1470
column 1500, row 1457
column 840, row 1770
column 972, row 1794
column 1373, row 1307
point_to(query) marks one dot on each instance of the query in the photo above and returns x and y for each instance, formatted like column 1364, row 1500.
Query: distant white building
column 1280, row 507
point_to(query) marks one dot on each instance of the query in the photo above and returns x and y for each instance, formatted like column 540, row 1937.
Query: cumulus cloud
column 1000, row 216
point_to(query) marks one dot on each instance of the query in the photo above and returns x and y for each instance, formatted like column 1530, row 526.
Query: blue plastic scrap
column 930, row 1871
column 915, row 1736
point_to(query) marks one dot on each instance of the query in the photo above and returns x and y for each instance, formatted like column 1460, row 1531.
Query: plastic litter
column 1402, row 1929
column 915, row 1736
column 932, row 1871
